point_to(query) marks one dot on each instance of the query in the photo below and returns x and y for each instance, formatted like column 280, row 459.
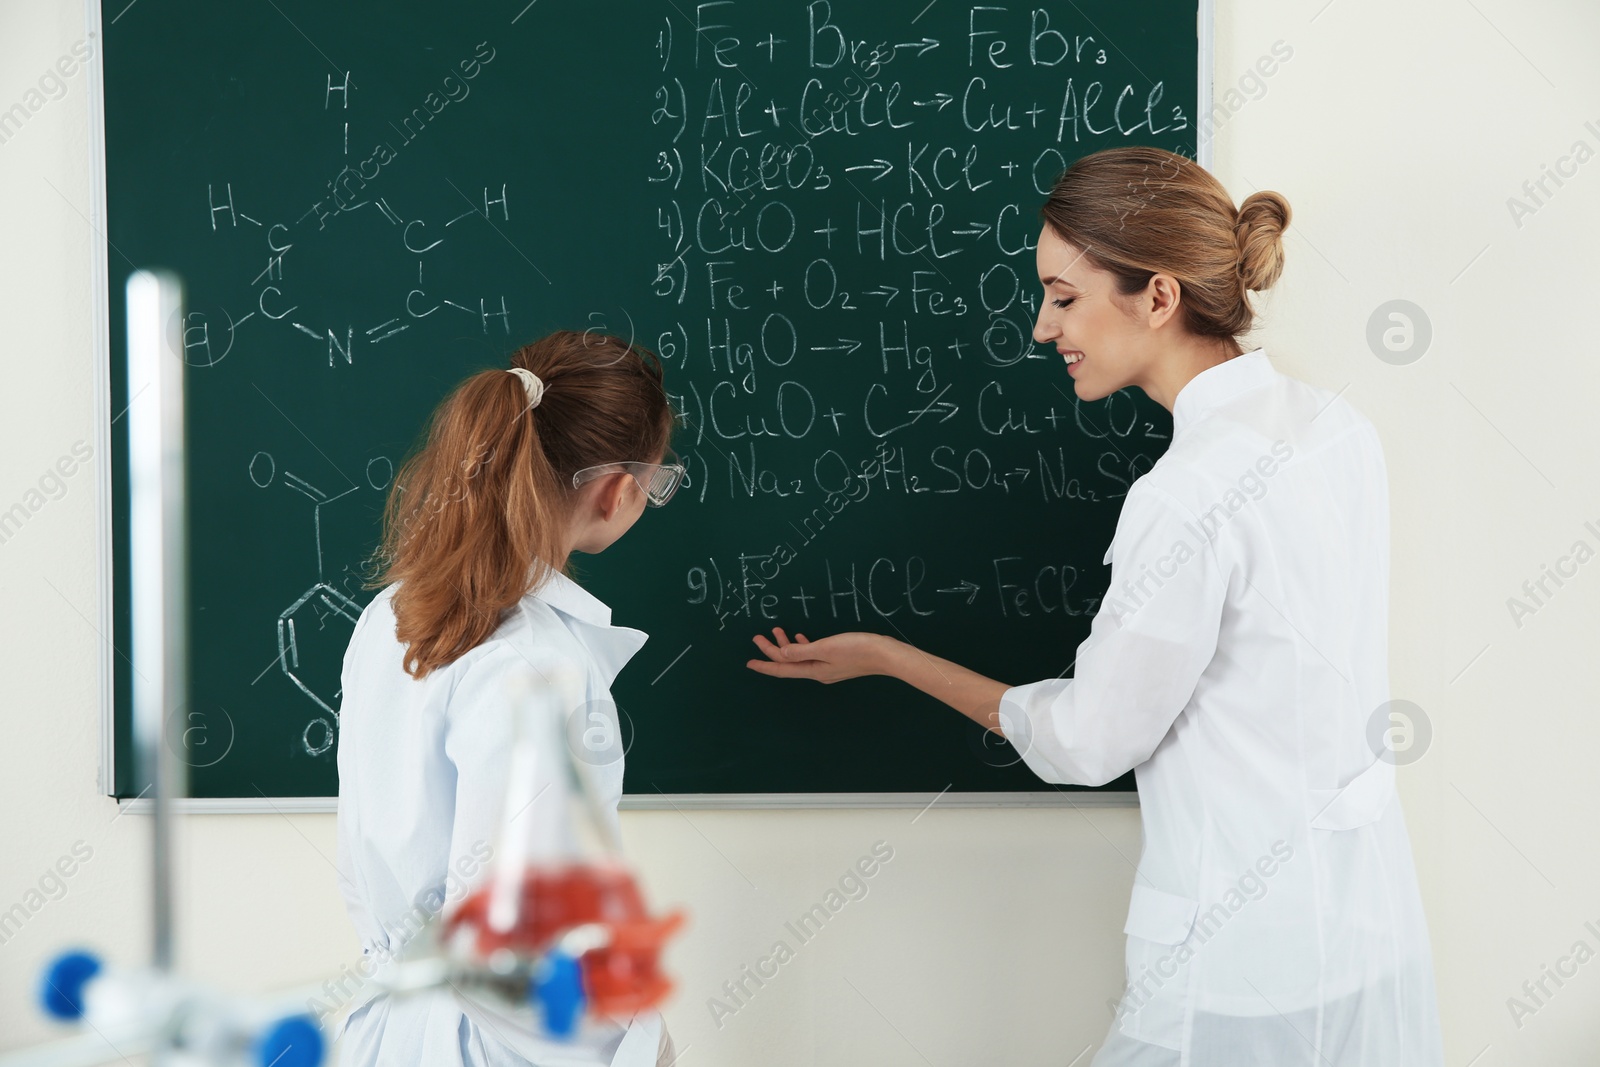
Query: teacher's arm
column 1148, row 645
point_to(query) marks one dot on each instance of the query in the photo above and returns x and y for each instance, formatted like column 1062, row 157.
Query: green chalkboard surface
column 821, row 215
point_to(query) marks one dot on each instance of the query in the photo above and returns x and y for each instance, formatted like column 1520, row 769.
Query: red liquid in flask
column 619, row 979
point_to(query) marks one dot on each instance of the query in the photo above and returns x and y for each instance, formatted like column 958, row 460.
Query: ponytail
column 479, row 513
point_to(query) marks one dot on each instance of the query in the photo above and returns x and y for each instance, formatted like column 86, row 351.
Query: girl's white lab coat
column 1239, row 665
column 423, row 768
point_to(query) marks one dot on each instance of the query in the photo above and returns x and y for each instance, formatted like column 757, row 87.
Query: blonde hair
column 1137, row 210
column 478, row 513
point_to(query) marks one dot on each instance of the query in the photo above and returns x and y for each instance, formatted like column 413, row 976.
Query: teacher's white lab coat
column 423, row 769
column 1239, row 665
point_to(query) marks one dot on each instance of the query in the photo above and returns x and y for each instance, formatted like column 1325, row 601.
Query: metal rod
column 157, row 557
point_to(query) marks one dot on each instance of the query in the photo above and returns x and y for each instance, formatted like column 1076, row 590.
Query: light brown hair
column 478, row 514
column 1137, row 210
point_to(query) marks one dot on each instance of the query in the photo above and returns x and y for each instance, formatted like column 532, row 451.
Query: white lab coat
column 1236, row 665
column 423, row 772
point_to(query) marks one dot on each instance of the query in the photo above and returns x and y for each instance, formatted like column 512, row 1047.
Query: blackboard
column 820, row 214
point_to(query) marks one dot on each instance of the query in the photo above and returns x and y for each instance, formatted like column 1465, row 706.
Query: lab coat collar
column 610, row 646
column 566, row 595
column 1215, row 386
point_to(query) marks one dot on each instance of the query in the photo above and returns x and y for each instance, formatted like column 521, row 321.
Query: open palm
column 828, row 659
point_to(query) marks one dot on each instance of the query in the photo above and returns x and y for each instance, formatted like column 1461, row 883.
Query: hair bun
column 1263, row 216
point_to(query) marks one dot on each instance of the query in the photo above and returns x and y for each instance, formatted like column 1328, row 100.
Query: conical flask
column 560, row 903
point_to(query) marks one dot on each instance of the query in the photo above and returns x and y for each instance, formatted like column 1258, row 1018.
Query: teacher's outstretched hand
column 857, row 655
column 832, row 659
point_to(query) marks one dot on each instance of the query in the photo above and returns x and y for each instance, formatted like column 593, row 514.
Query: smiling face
column 1101, row 333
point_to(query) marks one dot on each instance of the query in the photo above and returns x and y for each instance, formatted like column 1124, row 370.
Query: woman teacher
column 1239, row 662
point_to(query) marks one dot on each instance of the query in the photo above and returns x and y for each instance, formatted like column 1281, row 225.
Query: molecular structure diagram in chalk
column 314, row 631
column 289, row 311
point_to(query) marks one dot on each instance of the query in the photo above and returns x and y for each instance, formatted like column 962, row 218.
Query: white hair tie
column 532, row 384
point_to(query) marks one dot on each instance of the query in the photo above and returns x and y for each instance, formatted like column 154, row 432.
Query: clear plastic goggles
column 658, row 480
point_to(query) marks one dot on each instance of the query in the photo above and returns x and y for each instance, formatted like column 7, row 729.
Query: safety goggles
column 658, row 480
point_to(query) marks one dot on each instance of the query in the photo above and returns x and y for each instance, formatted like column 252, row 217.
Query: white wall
column 1398, row 131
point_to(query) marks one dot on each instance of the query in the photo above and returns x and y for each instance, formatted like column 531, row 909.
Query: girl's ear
column 612, row 493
